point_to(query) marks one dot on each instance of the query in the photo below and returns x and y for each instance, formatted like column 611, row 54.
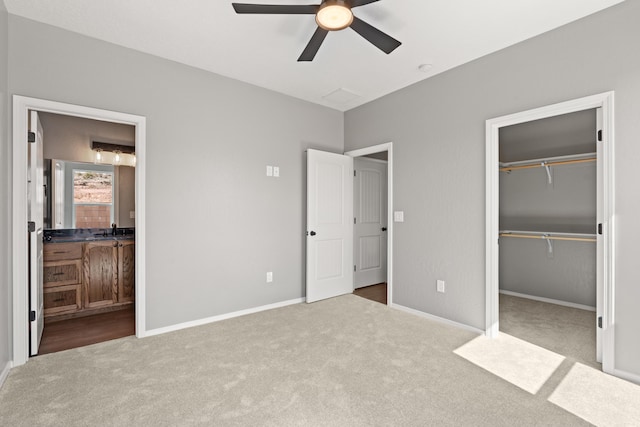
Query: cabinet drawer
column 62, row 299
column 59, row 251
column 57, row 273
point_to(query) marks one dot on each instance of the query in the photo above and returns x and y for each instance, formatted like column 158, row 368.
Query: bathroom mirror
column 88, row 195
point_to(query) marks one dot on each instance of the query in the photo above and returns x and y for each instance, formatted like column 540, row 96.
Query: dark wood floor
column 81, row 331
column 376, row 293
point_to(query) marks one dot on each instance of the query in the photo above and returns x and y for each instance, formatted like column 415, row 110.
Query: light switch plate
column 269, row 170
column 398, row 216
column 132, row 214
column 276, row 171
column 440, row 286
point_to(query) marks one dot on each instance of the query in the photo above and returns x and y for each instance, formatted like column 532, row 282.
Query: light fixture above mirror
column 123, row 155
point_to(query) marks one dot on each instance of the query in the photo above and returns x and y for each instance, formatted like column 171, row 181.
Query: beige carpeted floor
column 340, row 362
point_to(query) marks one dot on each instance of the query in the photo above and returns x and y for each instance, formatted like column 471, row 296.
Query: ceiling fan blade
column 314, row 44
column 356, row 3
column 281, row 9
column 382, row 41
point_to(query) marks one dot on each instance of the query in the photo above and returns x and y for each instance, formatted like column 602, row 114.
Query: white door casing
column 605, row 216
column 370, row 222
column 600, row 263
column 329, row 225
column 35, row 209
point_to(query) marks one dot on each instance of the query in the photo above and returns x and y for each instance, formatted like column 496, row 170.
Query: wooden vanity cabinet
column 109, row 272
column 126, row 270
column 62, row 278
column 88, row 276
column 100, row 269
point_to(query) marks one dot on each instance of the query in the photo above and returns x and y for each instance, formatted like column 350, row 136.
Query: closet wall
column 532, row 203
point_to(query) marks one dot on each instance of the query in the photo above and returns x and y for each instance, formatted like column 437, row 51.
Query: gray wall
column 5, row 235
column 438, row 130
column 215, row 223
column 69, row 138
column 528, row 202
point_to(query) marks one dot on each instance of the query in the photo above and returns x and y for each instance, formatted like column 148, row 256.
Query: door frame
column 380, row 148
column 606, row 102
column 19, row 252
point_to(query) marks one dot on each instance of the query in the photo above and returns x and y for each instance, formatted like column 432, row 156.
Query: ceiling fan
column 331, row 15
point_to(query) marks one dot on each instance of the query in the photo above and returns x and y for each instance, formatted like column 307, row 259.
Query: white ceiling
column 263, row 49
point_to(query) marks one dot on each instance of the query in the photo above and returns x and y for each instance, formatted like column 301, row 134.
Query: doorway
column 601, row 231
column 89, row 204
column 22, row 106
column 548, row 220
column 330, row 231
column 373, row 205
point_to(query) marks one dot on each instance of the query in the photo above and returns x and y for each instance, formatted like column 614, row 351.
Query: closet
column 548, row 210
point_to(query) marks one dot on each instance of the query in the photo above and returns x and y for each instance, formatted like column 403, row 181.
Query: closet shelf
column 548, row 161
column 577, row 237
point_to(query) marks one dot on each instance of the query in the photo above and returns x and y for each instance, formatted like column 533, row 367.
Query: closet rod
column 543, row 164
column 548, row 237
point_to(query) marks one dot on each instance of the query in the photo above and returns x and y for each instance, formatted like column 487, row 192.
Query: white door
column 370, row 222
column 35, row 211
column 329, row 225
column 599, row 236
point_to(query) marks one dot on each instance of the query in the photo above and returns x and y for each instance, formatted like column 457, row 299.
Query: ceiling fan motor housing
column 334, row 15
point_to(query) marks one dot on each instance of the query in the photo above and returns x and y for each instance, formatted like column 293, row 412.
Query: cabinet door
column 58, row 273
column 62, row 299
column 126, row 271
column 100, row 270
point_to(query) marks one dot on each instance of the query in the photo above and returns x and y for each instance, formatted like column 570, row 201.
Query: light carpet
column 339, row 362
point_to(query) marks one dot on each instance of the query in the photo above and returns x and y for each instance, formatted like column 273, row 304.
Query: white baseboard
column 5, row 373
column 549, row 300
column 436, row 318
column 220, row 317
column 626, row 376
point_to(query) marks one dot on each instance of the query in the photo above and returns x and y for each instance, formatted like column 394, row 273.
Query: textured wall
column 215, row 223
column 438, row 130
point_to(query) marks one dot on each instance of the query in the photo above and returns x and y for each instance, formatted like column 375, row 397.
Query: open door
column 35, row 211
column 370, row 222
column 600, row 256
column 329, row 225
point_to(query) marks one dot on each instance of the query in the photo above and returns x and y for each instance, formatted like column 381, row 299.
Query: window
column 92, row 199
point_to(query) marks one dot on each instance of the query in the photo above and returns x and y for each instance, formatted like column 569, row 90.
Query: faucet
column 114, row 229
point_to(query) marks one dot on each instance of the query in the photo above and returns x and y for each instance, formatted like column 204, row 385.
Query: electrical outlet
column 440, row 286
column 269, row 276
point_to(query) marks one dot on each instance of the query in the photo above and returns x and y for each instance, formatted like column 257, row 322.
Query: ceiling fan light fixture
column 334, row 15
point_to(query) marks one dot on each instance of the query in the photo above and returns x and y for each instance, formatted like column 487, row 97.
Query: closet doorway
column 549, row 226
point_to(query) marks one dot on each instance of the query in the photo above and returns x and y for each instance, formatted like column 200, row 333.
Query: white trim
column 634, row 378
column 371, row 159
column 21, row 106
column 220, row 317
column 549, row 300
column 388, row 147
column 5, row 373
column 604, row 101
column 437, row 319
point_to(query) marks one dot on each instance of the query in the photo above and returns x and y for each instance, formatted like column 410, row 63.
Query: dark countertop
column 87, row 235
